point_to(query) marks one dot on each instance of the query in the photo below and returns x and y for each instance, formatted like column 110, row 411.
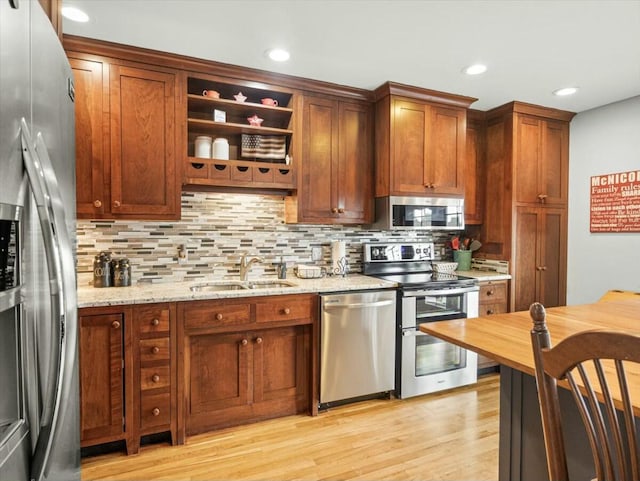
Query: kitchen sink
column 239, row 285
column 217, row 287
column 268, row 284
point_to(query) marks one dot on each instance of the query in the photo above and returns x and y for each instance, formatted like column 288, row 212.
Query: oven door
column 428, row 364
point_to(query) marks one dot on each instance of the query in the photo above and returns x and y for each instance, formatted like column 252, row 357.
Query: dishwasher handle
column 358, row 305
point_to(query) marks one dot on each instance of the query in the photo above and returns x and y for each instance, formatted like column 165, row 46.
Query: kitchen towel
column 264, row 147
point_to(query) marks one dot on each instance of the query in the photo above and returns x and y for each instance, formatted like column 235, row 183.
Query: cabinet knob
column 155, row 322
column 97, row 203
column 116, row 203
column 219, row 317
column 156, row 412
column 490, row 293
column 286, row 310
column 334, row 210
column 340, row 210
column 244, row 342
column 155, row 349
column 115, row 324
column 542, row 198
column 489, row 312
column 259, row 340
column 155, row 378
column 543, row 268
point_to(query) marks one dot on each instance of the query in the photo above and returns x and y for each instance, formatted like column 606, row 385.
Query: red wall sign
column 615, row 202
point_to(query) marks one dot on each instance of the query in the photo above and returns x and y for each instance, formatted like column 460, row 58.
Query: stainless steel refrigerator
column 39, row 403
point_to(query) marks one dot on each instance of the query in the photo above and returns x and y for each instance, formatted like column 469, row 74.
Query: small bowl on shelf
column 255, row 121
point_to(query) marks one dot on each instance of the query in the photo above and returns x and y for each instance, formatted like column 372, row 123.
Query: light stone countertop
column 484, row 276
column 143, row 293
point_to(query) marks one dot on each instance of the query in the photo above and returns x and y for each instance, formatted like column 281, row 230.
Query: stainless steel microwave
column 419, row 213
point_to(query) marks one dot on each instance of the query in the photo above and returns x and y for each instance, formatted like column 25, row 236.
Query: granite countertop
column 143, row 293
column 484, row 276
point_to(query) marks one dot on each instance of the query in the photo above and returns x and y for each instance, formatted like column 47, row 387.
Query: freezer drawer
column 357, row 344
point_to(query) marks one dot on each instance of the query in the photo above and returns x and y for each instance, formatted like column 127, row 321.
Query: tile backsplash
column 216, row 229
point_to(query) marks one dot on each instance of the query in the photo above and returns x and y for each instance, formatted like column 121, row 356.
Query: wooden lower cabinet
column 127, row 374
column 494, row 296
column 102, row 380
column 257, row 369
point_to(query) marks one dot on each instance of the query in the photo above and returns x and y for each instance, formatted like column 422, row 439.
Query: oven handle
column 440, row 292
column 413, row 333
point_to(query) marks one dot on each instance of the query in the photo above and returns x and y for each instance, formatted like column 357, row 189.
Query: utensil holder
column 463, row 258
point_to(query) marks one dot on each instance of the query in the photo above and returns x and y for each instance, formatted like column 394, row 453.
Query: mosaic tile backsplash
column 216, row 229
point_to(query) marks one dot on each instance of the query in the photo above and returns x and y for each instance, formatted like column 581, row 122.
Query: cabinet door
column 553, row 257
column 318, row 197
column 143, row 165
column 355, row 166
column 541, row 161
column 217, row 376
column 101, row 377
column 555, row 162
column 410, row 121
column 475, row 170
column 92, row 196
column 281, row 363
column 540, row 257
column 446, row 146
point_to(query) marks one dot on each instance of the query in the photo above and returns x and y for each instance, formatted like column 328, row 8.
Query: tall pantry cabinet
column 527, row 162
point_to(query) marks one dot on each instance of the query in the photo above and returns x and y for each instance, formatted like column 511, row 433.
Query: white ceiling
column 530, row 47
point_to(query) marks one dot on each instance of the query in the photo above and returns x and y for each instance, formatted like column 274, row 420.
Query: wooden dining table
column 506, row 339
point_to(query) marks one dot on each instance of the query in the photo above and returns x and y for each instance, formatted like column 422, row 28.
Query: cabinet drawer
column 488, row 309
column 154, row 377
column 152, row 319
column 216, row 315
column 155, row 410
column 156, row 349
column 493, row 292
column 284, row 308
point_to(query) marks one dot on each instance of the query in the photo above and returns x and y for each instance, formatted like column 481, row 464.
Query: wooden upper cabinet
column 475, row 168
column 91, row 95
column 142, row 121
column 53, row 10
column 420, row 141
column 541, row 160
column 336, row 181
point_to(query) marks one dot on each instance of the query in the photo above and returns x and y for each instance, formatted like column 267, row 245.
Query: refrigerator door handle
column 61, row 267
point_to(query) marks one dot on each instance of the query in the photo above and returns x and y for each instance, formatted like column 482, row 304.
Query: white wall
column 603, row 141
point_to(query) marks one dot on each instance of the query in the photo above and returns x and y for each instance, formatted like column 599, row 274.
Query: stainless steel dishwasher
column 357, row 344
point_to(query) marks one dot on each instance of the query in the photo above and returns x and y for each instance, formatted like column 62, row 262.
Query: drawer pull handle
column 115, row 324
column 259, row 340
column 155, row 378
column 156, row 412
column 219, row 317
column 155, row 350
column 286, row 310
column 244, row 342
column 155, row 322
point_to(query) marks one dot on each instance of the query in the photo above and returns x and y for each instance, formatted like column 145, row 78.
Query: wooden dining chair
column 589, row 362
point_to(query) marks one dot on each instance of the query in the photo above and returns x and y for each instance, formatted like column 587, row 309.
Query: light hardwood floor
column 451, row 435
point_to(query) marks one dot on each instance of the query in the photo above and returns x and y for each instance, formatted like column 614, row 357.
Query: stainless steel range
column 424, row 363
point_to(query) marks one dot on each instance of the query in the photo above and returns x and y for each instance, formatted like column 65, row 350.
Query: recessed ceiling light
column 565, row 91
column 475, row 69
column 278, row 54
column 75, row 14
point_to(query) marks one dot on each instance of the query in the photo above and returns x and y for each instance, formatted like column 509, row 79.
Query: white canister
column 221, row 149
column 338, row 256
column 203, row 147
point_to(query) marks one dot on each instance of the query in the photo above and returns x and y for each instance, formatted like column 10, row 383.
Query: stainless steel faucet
column 245, row 265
